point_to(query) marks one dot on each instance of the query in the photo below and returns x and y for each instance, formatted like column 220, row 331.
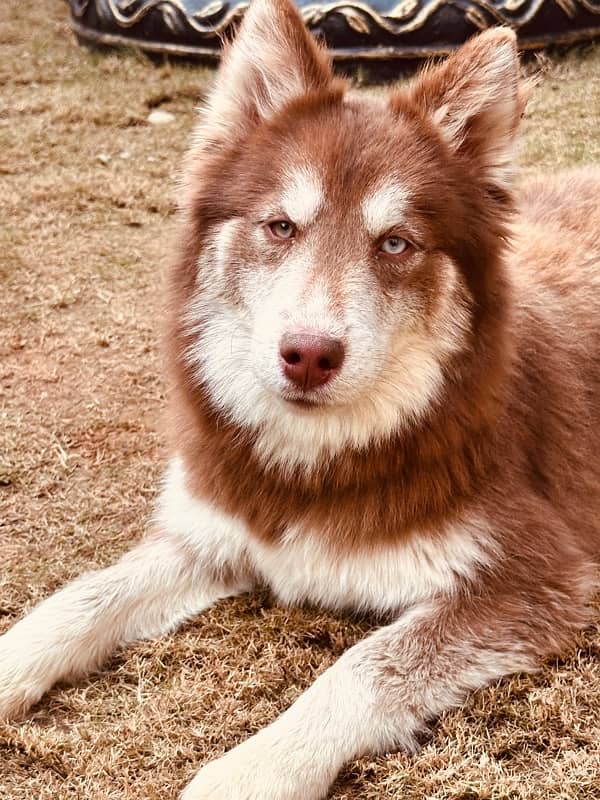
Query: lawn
column 86, row 205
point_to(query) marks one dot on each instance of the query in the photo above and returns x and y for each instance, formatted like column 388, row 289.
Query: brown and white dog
column 386, row 398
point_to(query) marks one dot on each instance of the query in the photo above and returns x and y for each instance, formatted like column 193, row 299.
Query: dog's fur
column 446, row 476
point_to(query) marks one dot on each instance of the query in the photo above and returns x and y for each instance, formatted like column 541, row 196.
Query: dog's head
column 341, row 248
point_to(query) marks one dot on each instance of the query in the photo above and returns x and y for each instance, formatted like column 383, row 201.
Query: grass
column 86, row 204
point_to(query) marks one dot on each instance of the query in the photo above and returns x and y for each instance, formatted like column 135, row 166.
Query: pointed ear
column 272, row 60
column 476, row 100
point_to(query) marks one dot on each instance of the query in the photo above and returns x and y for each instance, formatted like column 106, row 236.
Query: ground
column 86, row 200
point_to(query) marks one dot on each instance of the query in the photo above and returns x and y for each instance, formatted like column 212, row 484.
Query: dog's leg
column 379, row 696
column 193, row 557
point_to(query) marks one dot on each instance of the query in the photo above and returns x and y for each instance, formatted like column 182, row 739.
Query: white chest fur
column 302, row 568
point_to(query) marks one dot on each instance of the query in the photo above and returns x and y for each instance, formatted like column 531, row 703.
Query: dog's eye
column 282, row 229
column 394, row 245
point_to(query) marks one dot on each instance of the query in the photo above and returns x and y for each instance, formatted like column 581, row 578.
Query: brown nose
column 310, row 360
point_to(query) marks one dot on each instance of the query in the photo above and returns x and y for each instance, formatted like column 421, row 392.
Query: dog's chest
column 303, row 568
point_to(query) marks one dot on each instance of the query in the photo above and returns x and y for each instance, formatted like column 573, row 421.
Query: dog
column 386, row 398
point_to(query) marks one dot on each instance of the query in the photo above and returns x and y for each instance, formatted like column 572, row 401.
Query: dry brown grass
column 85, row 200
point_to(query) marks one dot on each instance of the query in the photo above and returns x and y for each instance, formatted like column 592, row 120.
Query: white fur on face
column 220, row 246
column 393, row 365
column 303, row 196
column 384, row 207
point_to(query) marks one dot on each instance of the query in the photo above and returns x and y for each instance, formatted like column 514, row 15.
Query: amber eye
column 282, row 229
column 394, row 245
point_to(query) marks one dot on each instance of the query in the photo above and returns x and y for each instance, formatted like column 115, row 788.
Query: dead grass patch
column 87, row 195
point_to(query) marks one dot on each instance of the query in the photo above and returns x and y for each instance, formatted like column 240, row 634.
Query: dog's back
column 555, row 271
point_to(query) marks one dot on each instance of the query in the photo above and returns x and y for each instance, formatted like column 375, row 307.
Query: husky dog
column 386, row 398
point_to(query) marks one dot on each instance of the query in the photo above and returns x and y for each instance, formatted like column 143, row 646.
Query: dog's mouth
column 302, row 400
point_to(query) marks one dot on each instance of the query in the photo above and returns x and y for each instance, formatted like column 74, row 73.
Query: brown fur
column 466, row 508
column 515, row 431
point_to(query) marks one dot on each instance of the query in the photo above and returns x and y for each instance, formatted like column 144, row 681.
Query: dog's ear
column 272, row 60
column 476, row 100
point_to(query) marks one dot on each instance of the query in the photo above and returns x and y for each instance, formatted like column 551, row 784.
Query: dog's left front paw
column 252, row 771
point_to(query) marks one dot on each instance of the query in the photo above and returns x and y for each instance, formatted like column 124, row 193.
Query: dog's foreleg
column 193, row 557
column 379, row 696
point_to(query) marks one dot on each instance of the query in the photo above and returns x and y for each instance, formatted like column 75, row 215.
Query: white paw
column 20, row 686
column 253, row 771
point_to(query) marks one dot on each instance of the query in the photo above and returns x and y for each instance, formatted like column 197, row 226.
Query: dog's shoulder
column 555, row 261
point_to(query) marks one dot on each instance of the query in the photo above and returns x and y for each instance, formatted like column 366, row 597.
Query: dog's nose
column 310, row 360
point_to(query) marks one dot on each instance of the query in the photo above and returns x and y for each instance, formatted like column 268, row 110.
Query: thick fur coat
column 383, row 350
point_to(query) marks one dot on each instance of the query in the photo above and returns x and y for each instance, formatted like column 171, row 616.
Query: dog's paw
column 19, row 688
column 16, row 701
column 222, row 780
column 251, row 772
column 234, row 778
